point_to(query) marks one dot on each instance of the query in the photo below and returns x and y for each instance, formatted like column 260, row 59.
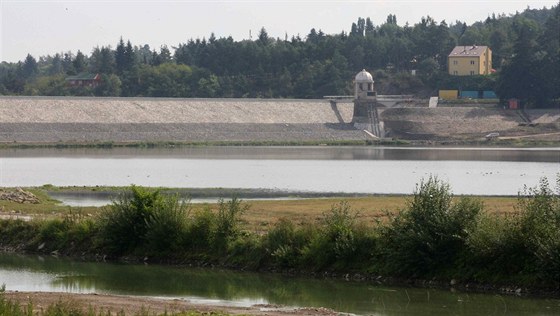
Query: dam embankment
column 97, row 120
column 84, row 120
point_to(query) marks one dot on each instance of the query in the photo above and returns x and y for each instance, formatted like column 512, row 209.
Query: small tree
column 430, row 234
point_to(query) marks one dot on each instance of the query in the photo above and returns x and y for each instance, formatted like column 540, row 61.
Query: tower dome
column 363, row 86
column 364, row 76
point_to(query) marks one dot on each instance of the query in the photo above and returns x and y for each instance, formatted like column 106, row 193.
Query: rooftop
column 364, row 76
column 472, row 50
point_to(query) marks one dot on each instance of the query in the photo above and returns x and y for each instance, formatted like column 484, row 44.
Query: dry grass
column 263, row 214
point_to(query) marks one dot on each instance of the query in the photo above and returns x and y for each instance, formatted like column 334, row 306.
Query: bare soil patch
column 131, row 305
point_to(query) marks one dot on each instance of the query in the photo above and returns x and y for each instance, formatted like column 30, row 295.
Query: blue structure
column 469, row 95
column 489, row 95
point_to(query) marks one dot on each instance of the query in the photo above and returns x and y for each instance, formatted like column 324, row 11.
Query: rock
column 453, row 282
column 19, row 196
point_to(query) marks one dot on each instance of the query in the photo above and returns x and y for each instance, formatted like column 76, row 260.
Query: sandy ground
column 134, row 304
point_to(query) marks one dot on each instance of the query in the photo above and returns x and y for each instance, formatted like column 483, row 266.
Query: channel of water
column 221, row 287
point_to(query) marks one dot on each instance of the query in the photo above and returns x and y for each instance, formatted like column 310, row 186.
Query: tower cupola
column 363, row 86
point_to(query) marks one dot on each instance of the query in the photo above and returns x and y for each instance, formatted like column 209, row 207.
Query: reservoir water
column 213, row 286
column 371, row 170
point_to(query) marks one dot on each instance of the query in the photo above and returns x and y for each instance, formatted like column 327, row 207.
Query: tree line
column 526, row 56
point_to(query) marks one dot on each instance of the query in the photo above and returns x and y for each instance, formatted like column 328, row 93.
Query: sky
column 47, row 27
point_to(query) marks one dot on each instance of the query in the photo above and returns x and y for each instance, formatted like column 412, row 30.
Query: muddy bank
column 131, row 305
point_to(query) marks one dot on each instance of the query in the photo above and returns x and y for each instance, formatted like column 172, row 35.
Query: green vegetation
column 524, row 45
column 435, row 236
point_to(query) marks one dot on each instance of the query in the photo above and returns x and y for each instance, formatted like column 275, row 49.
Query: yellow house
column 470, row 61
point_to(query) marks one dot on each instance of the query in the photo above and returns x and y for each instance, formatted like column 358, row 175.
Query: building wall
column 470, row 65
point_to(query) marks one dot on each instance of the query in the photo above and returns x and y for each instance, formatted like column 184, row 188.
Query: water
column 212, row 286
column 98, row 199
column 308, row 169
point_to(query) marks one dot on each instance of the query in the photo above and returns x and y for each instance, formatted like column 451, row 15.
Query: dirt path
column 532, row 135
column 134, row 304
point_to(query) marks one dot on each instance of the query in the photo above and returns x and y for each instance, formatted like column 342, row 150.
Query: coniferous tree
column 518, row 78
column 56, row 65
column 79, row 62
column 29, row 68
column 120, row 57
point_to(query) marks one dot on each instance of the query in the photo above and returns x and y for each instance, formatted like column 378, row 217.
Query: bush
column 144, row 221
column 284, row 243
column 122, row 225
column 539, row 227
column 339, row 242
column 430, row 234
column 246, row 251
column 227, row 222
column 14, row 232
column 496, row 250
column 198, row 237
column 166, row 225
column 525, row 246
column 54, row 233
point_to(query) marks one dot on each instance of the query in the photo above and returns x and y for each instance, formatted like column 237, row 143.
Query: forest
column 525, row 48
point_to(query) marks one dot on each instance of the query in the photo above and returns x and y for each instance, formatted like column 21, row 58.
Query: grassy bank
column 435, row 237
column 262, row 215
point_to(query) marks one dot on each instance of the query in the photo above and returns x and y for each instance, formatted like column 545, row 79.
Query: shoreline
column 514, row 142
column 131, row 304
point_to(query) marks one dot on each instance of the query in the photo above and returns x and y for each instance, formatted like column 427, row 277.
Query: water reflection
column 239, row 288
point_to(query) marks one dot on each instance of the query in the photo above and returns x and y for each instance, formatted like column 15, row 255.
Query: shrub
column 524, row 246
column 14, row 232
column 496, row 250
column 339, row 242
column 123, row 224
column 143, row 221
column 430, row 234
column 246, row 251
column 284, row 243
column 198, row 237
column 166, row 225
column 227, row 222
column 539, row 226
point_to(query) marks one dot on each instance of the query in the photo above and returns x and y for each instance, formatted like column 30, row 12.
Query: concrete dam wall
column 73, row 119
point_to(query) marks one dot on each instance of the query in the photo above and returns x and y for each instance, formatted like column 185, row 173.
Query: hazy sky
column 43, row 27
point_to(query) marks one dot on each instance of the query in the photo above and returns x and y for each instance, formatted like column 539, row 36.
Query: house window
column 455, row 62
column 472, row 72
column 455, row 72
column 472, row 62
